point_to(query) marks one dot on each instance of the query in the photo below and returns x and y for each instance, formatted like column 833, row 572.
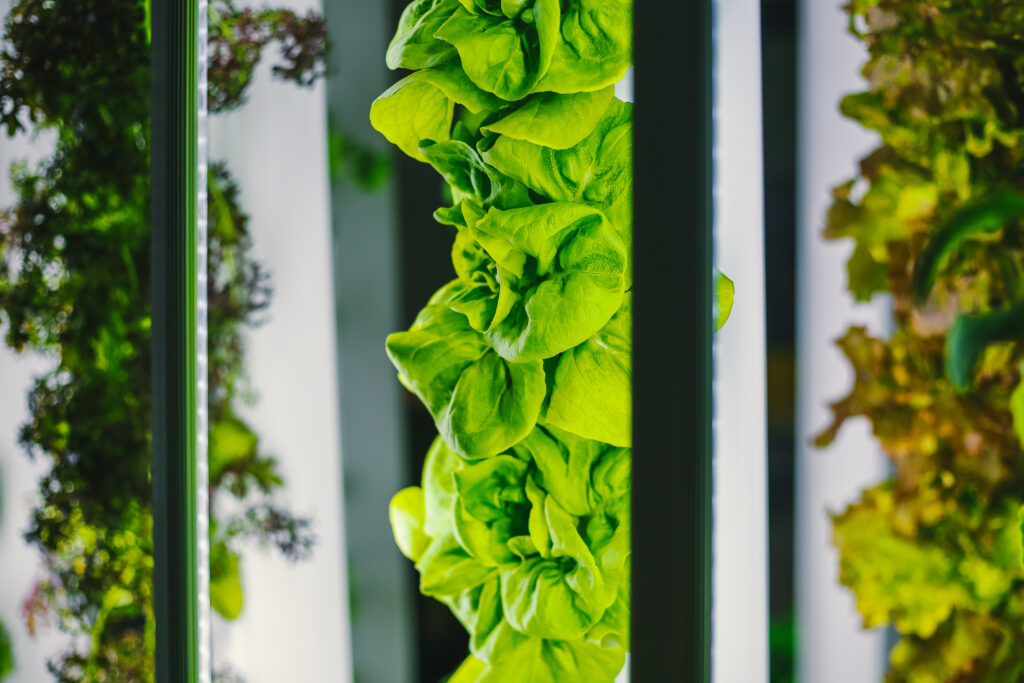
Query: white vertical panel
column 832, row 645
column 740, row 519
column 294, row 626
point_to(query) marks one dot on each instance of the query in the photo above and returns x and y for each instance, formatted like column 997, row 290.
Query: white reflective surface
column 739, row 650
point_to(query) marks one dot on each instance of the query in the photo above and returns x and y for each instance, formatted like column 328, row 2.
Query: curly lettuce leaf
column 576, row 558
column 481, row 403
column 899, row 202
column 492, row 507
column 917, row 577
column 561, row 277
column 597, row 171
column 504, row 56
column 516, row 47
column 958, row 646
column 560, row 572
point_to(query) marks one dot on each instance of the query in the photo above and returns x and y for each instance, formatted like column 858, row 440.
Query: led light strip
column 202, row 365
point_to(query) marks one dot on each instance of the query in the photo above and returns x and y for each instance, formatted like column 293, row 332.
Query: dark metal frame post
column 174, row 225
column 671, row 602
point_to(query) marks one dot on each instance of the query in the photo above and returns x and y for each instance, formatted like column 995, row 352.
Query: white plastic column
column 740, row 516
column 832, row 645
column 295, row 625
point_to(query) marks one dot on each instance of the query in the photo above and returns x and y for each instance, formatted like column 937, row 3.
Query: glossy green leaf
column 725, row 292
column 970, row 335
column 595, row 46
column 554, row 120
column 598, row 171
column 407, row 514
column 560, row 275
column 414, row 45
column 481, row 403
column 591, row 395
column 505, row 56
column 421, row 107
column 986, row 215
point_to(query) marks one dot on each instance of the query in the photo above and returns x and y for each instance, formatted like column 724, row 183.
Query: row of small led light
column 202, row 364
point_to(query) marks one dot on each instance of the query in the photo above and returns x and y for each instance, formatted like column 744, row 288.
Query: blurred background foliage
column 74, row 287
column 936, row 550
column 6, row 653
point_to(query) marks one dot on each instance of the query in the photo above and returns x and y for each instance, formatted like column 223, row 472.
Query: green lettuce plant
column 935, row 216
column 521, row 524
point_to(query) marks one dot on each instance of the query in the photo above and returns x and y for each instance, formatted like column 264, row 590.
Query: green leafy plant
column 521, row 524
column 935, row 215
column 74, row 287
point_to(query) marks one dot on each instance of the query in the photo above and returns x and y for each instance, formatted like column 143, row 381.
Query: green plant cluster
column 521, row 524
column 935, row 216
column 74, row 288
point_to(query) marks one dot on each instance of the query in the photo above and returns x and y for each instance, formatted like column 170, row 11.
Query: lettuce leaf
column 421, row 106
column 597, row 171
column 561, row 277
column 595, row 49
column 481, row 403
column 553, row 120
column 504, row 56
column 591, row 394
column 414, row 45
column 531, row 544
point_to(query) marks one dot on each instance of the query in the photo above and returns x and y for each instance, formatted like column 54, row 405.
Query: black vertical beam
column 174, row 202
column 779, row 71
column 671, row 602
